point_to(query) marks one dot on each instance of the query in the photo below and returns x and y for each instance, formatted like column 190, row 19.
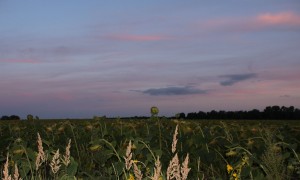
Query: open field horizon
column 269, row 113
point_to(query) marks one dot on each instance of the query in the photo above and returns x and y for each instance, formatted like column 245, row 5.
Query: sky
column 77, row 59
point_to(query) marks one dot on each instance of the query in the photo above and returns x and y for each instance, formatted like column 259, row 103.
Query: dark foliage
column 12, row 117
column 270, row 112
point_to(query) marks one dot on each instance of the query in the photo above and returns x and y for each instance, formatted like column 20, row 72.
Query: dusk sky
column 77, row 59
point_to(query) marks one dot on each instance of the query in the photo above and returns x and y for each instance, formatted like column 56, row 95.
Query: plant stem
column 148, row 149
column 160, row 143
column 76, row 145
column 28, row 161
column 113, row 148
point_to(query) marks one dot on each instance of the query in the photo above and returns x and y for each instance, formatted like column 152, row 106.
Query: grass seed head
column 174, row 142
column 157, row 170
column 41, row 157
column 66, row 161
column 128, row 157
column 173, row 170
column 16, row 173
column 55, row 163
column 184, row 168
column 6, row 175
column 137, row 172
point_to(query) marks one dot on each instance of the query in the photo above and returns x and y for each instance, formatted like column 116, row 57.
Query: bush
column 12, row 117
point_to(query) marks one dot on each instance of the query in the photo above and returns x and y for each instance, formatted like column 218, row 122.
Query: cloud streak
column 235, row 78
column 168, row 91
column 24, row 61
column 138, row 38
column 282, row 18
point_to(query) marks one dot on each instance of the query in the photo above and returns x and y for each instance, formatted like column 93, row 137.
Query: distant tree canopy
column 12, row 117
column 180, row 116
column 270, row 112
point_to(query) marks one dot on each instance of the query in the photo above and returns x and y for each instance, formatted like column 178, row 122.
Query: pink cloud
column 128, row 37
column 282, row 18
column 26, row 61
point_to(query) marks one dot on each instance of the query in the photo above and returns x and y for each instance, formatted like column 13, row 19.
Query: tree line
column 15, row 117
column 270, row 112
column 12, row 117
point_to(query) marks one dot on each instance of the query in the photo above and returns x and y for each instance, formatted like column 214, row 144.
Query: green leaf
column 72, row 168
column 158, row 152
column 286, row 155
column 119, row 167
column 149, row 157
column 280, row 137
column 67, row 177
column 46, row 142
column 25, row 168
column 114, row 143
column 293, row 146
column 31, row 154
column 258, row 175
column 246, row 171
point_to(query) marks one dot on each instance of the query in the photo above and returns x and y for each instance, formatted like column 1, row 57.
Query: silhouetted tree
column 192, row 115
column 201, row 115
column 213, row 114
column 14, row 117
column 267, row 113
column 296, row 114
column 270, row 112
column 181, row 115
column 4, row 118
column 254, row 114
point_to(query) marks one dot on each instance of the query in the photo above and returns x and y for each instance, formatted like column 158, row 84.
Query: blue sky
column 61, row 59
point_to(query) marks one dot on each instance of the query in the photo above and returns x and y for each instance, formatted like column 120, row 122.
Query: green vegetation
column 154, row 111
column 99, row 148
column 30, row 117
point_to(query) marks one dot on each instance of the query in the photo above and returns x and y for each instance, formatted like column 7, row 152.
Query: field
column 140, row 149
